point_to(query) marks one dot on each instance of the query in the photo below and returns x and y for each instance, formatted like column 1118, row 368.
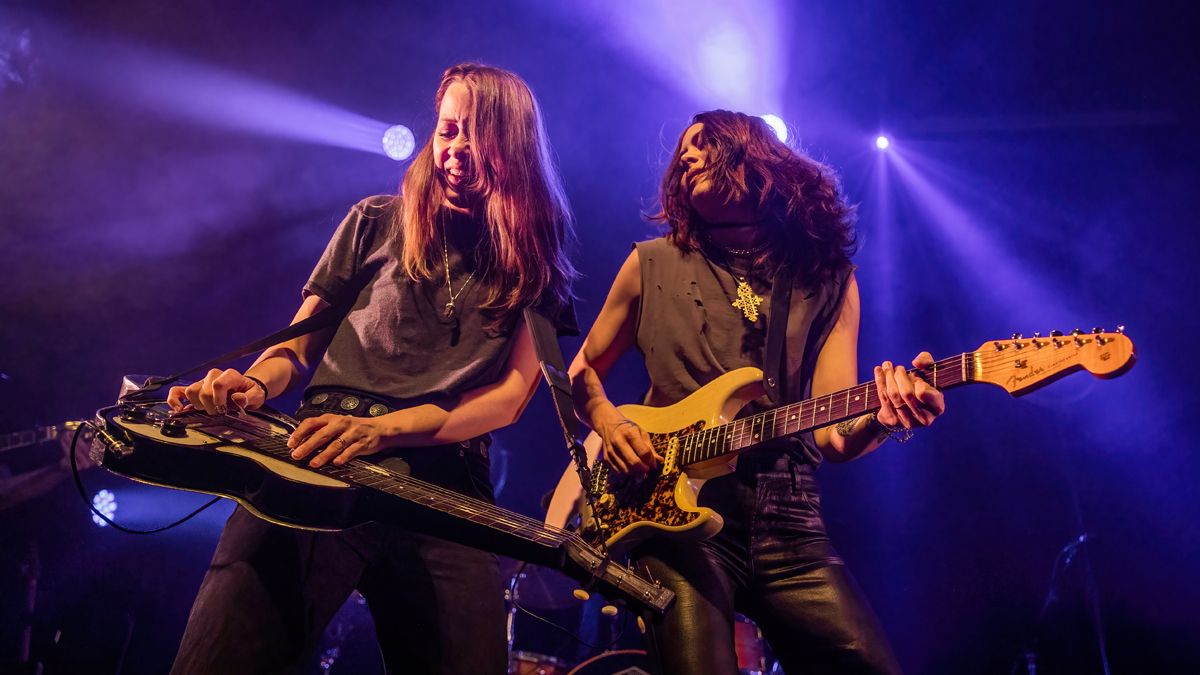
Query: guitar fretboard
column 813, row 413
column 366, row 474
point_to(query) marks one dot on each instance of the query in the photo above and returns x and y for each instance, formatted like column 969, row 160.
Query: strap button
column 771, row 382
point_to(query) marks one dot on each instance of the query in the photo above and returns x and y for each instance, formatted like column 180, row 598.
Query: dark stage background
column 169, row 172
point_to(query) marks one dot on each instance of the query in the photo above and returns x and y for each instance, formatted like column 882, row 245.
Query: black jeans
column 774, row 563
column 438, row 606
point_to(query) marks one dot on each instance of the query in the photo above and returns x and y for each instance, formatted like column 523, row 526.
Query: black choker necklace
column 739, row 252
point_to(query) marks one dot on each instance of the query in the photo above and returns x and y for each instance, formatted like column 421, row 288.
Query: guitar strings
column 694, row 443
column 277, row 444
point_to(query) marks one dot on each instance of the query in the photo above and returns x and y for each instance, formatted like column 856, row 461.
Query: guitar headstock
column 614, row 580
column 1021, row 364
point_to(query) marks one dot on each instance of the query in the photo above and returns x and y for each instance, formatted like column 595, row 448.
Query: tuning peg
column 1037, row 334
column 1017, row 336
column 1076, row 331
column 1121, row 329
column 1097, row 331
column 1056, row 333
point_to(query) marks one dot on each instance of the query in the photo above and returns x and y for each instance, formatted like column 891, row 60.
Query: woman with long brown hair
column 430, row 357
column 749, row 220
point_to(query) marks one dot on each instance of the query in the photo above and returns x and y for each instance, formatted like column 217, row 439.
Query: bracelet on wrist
column 261, row 385
column 900, row 434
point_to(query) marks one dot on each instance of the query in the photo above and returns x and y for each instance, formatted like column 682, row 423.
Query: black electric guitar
column 244, row 456
column 699, row 438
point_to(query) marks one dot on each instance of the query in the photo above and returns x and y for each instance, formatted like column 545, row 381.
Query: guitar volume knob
column 173, row 428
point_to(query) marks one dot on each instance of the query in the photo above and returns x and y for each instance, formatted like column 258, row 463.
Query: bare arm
column 279, row 368
column 905, row 400
column 624, row 444
column 477, row 411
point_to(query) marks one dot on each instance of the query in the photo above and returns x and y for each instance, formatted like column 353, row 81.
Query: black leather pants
column 774, row 563
column 269, row 592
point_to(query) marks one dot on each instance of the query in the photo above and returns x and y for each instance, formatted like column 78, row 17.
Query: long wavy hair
column 810, row 227
column 521, row 202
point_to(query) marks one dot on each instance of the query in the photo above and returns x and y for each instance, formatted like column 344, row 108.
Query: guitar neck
column 427, row 495
column 443, row 512
column 21, row 439
column 814, row 413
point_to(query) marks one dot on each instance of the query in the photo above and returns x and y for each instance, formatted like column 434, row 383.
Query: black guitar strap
column 781, row 303
column 554, row 369
column 327, row 317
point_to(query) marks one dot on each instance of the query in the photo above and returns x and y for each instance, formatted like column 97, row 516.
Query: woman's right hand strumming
column 627, row 446
column 217, row 392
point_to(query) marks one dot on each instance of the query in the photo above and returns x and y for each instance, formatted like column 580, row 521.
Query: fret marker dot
column 856, row 398
column 822, row 408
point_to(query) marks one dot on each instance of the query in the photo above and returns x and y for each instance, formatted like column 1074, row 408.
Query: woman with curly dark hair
column 751, row 223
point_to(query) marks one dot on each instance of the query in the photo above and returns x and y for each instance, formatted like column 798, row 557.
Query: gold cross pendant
column 747, row 301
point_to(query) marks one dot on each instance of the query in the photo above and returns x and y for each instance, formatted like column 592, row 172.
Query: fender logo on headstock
column 1017, row 379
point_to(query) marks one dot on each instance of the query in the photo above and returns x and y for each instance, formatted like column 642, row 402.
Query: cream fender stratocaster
column 698, row 437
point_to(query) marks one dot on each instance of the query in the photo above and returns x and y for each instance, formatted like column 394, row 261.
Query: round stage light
column 398, row 142
column 105, row 502
column 882, row 142
column 777, row 125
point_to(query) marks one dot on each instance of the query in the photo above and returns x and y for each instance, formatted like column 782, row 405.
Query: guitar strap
column 327, row 317
column 554, row 369
column 781, row 303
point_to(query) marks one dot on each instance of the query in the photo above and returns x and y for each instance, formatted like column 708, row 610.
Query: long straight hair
column 809, row 224
column 522, row 204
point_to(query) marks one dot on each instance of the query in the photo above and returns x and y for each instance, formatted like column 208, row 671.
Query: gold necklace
column 449, row 310
column 747, row 300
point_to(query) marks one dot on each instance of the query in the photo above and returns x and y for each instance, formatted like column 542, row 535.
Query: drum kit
column 588, row 637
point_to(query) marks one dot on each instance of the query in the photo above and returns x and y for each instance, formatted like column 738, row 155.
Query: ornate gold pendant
column 747, row 301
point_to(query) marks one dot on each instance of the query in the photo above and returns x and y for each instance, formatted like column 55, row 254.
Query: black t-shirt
column 396, row 340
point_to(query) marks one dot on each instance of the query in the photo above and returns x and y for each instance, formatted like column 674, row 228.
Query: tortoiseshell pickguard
column 638, row 498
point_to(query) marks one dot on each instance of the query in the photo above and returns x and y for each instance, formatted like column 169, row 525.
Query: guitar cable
column 96, row 512
column 512, row 595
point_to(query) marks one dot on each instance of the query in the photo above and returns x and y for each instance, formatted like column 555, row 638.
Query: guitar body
column 665, row 502
column 213, row 459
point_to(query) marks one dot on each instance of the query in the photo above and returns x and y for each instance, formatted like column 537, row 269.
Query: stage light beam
column 777, row 125
column 882, row 142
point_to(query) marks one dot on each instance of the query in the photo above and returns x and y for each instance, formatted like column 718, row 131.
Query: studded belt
column 356, row 404
column 361, row 404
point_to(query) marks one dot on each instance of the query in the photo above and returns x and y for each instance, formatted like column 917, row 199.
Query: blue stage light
column 105, row 502
column 777, row 125
column 882, row 142
column 398, row 142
